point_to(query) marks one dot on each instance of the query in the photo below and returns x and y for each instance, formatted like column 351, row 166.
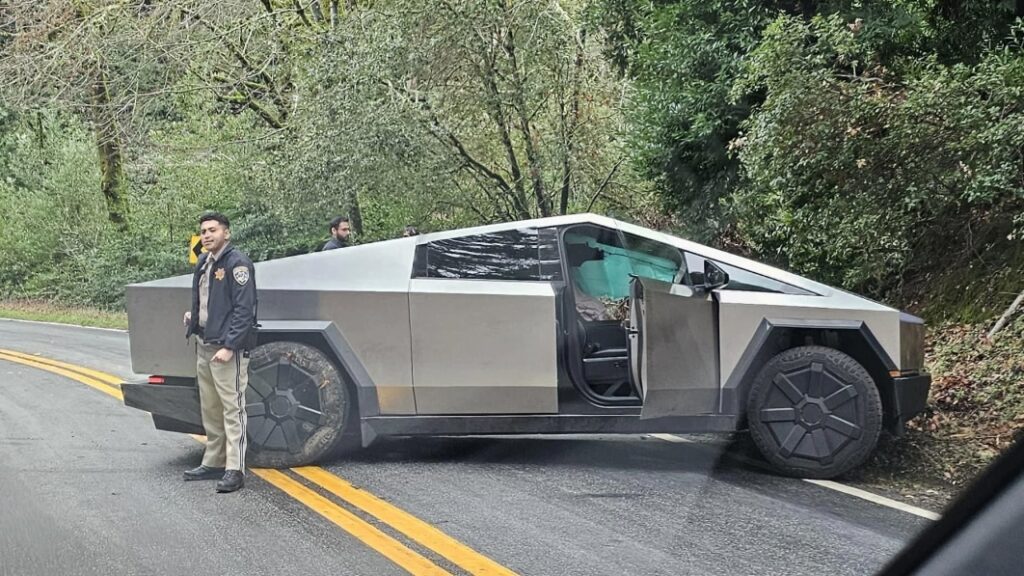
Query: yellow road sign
column 195, row 248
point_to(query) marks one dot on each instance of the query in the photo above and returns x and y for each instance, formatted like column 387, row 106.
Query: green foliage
column 47, row 222
column 874, row 145
column 878, row 146
column 682, row 116
column 864, row 178
column 59, row 243
column 393, row 114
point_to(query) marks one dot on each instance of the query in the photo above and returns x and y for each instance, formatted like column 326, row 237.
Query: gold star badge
column 219, row 274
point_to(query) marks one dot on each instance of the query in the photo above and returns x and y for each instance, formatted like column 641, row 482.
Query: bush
column 862, row 174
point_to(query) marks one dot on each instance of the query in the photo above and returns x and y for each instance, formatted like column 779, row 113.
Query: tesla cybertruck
column 572, row 324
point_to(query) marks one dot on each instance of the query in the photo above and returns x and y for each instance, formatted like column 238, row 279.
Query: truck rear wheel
column 814, row 412
column 298, row 405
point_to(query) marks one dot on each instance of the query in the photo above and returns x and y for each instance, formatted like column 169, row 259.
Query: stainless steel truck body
column 570, row 324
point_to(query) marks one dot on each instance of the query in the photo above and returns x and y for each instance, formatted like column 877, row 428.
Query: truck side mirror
column 714, row 277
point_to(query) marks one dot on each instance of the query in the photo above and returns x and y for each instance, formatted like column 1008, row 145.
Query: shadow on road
column 608, row 453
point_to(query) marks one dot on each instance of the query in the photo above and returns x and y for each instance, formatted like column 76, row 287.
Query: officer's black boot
column 203, row 473
column 232, row 480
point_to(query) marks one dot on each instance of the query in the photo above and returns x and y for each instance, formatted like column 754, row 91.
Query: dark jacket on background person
column 231, row 308
column 333, row 244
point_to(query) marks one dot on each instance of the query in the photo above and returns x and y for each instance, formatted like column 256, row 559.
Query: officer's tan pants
column 222, row 395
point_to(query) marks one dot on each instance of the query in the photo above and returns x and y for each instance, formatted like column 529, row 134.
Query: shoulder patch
column 241, row 274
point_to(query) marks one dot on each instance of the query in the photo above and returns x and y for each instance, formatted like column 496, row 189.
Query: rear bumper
column 174, row 408
column 909, row 397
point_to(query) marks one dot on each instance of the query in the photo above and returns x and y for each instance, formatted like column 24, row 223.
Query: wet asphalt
column 87, row 486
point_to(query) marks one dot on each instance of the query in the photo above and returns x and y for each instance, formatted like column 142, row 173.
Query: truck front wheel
column 814, row 412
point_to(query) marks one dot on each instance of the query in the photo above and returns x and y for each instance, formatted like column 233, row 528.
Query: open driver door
column 673, row 348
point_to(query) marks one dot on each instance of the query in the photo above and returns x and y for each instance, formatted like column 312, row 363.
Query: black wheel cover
column 297, row 404
column 814, row 412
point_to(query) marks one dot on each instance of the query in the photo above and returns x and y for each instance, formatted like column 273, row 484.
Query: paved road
column 88, row 487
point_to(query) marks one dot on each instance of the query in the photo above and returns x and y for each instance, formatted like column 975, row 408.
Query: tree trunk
column 1006, row 315
column 301, row 12
column 505, row 134
column 334, row 13
column 108, row 144
column 318, row 14
column 569, row 124
column 40, row 134
column 523, row 117
column 566, row 192
column 355, row 213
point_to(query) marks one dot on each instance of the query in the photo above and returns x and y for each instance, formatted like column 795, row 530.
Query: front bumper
column 909, row 397
column 174, row 408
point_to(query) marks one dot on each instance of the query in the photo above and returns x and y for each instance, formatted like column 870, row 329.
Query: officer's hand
column 188, row 317
column 224, row 355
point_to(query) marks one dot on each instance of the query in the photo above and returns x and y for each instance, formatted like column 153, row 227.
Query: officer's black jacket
column 231, row 309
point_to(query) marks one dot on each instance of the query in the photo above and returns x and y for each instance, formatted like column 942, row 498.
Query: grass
column 969, row 291
column 50, row 312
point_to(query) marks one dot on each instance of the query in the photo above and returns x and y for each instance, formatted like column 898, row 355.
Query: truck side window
column 524, row 254
column 740, row 279
column 602, row 261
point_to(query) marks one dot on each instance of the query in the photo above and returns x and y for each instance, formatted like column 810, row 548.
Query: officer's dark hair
column 216, row 216
column 337, row 222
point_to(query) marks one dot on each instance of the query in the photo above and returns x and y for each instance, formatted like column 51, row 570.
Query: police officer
column 223, row 316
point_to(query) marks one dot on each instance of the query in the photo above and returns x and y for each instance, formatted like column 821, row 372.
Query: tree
column 516, row 97
column 84, row 57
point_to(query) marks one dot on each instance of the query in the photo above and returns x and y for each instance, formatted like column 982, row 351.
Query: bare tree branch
column 525, row 126
column 604, row 184
column 301, row 12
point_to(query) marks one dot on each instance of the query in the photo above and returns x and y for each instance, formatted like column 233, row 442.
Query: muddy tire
column 814, row 412
column 298, row 404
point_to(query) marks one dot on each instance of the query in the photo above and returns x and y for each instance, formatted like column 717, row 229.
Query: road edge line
column 875, row 498
column 828, row 484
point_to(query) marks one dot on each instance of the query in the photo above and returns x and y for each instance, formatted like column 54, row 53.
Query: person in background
column 341, row 229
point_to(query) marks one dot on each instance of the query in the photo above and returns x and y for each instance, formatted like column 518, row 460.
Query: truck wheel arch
column 328, row 338
column 777, row 335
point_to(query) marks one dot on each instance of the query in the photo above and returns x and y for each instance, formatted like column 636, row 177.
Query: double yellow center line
column 106, row 383
column 311, row 493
